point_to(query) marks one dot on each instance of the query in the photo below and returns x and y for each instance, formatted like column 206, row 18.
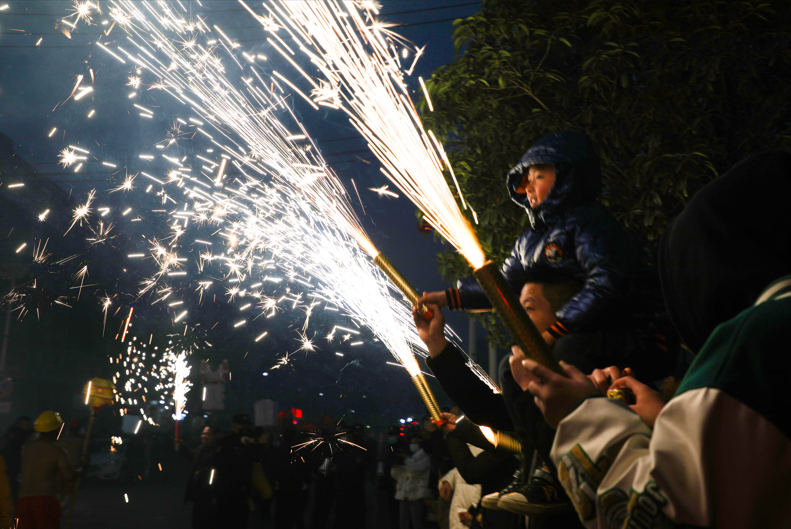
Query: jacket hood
column 577, row 173
column 729, row 243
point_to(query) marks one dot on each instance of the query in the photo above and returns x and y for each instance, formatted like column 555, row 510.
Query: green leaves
column 671, row 94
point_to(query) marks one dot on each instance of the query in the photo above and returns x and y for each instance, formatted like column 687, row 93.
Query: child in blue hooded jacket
column 557, row 182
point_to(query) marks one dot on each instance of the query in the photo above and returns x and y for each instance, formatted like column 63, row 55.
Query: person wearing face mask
column 393, row 452
column 412, row 485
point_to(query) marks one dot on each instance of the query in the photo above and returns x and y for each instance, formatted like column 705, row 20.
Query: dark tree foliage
column 672, row 93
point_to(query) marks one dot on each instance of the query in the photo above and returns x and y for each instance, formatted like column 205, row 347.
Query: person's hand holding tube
column 432, row 333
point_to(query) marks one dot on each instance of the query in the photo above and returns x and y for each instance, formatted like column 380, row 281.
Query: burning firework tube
column 400, row 281
column 513, row 315
column 428, row 398
column 502, row 441
column 178, row 430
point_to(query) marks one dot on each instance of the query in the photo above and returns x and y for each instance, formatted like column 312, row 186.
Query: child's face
column 536, row 183
column 537, row 306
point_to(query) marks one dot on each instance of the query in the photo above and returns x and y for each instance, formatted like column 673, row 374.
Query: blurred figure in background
column 233, row 462
column 412, row 485
column 291, row 483
column 11, row 450
column 44, row 465
column 349, row 482
column 200, row 488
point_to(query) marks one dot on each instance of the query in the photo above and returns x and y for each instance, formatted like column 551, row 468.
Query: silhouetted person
column 13, row 440
column 349, row 485
column 200, row 486
column 44, row 464
column 233, row 462
column 291, row 477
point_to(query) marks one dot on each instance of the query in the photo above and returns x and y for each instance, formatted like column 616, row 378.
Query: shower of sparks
column 277, row 231
column 362, row 59
column 178, row 366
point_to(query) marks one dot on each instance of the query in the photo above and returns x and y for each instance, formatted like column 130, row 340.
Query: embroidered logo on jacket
column 581, row 477
column 638, row 509
column 553, row 253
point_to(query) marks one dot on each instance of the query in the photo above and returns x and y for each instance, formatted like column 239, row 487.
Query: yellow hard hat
column 48, row 421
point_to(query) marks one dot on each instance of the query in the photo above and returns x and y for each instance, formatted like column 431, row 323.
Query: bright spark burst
column 382, row 191
column 68, row 157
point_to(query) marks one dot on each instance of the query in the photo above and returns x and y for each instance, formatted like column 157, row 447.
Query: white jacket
column 720, row 451
column 412, row 477
column 464, row 496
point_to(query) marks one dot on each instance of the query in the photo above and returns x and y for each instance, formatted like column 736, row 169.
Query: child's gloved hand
column 432, row 333
column 557, row 395
column 648, row 402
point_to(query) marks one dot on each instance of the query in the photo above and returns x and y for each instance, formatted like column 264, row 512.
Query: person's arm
column 477, row 400
column 475, row 469
column 449, row 478
column 463, row 386
column 609, row 259
column 64, row 468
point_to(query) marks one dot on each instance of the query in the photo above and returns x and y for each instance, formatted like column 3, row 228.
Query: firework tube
column 403, row 285
column 178, row 430
column 514, row 316
column 502, row 441
column 428, row 399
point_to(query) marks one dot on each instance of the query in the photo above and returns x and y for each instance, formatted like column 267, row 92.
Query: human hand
column 434, row 298
column 521, row 375
column 445, row 490
column 555, row 394
column 450, row 421
column 603, row 378
column 465, row 518
column 429, row 426
column 432, row 333
column 648, row 403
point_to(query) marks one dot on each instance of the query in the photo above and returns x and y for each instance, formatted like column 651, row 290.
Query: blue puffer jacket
column 571, row 236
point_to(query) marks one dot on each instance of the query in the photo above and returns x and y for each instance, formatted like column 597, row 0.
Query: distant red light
column 295, row 421
column 296, row 413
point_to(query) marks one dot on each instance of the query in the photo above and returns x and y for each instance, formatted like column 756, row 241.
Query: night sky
column 39, row 66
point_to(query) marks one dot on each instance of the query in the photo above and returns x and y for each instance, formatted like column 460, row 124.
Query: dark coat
column 198, row 487
column 571, row 236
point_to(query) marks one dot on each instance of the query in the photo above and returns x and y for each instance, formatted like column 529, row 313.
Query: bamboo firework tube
column 400, row 281
column 514, row 316
column 428, row 398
